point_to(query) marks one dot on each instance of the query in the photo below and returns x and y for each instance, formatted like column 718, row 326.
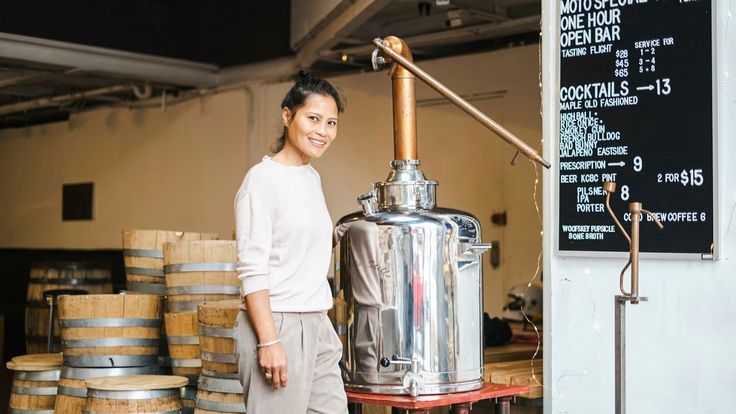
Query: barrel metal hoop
column 144, row 271
column 218, row 357
column 132, row 395
column 110, row 361
column 72, row 392
column 232, row 386
column 182, row 340
column 15, row 389
column 186, row 363
column 50, row 375
column 142, row 287
column 183, row 306
column 222, row 375
column 203, row 290
column 201, row 267
column 22, row 411
column 221, row 407
column 158, row 254
column 109, row 323
column 217, row 332
column 109, row 342
column 86, row 373
column 179, row 411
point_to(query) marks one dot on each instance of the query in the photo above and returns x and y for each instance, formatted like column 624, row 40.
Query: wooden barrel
column 108, row 331
column 72, row 391
column 141, row 394
column 183, row 338
column 144, row 257
column 220, row 395
column 34, row 383
column 84, row 276
column 217, row 351
column 199, row 271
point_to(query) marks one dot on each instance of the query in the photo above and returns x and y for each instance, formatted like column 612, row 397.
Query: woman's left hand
column 272, row 360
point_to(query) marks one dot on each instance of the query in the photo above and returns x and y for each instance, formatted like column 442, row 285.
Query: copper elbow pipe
column 389, row 53
column 404, row 102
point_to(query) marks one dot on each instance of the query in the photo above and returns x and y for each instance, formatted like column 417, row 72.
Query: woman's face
column 312, row 128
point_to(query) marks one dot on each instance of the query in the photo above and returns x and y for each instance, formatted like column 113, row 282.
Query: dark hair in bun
column 306, row 84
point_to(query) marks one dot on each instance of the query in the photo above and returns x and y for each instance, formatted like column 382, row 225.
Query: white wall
column 680, row 354
column 180, row 168
column 173, row 169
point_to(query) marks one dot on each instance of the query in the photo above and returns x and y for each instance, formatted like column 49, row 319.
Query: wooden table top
column 428, row 401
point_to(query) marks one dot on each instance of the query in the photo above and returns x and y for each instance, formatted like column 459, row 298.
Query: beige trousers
column 313, row 351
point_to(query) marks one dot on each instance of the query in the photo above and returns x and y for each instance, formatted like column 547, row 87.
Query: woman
column 287, row 350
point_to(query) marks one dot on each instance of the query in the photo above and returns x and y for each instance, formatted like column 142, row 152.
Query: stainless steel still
column 411, row 279
column 410, row 273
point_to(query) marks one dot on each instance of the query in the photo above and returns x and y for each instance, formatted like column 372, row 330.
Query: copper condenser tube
column 404, row 102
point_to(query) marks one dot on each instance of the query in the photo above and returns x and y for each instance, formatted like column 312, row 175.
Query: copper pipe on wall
column 389, row 53
column 636, row 211
column 404, row 103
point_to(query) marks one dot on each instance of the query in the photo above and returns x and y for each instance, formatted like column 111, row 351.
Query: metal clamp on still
column 410, row 272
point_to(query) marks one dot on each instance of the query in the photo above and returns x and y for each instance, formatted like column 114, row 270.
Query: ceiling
column 58, row 58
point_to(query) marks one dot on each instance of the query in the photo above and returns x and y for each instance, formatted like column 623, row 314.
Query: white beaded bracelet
column 269, row 343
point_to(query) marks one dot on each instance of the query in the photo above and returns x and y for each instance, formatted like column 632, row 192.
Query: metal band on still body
column 220, row 385
column 215, row 331
column 15, row 389
column 201, row 267
column 158, row 254
column 50, row 375
column 110, row 323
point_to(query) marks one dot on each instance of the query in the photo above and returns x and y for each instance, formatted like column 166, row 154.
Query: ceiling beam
column 341, row 26
column 129, row 65
column 452, row 36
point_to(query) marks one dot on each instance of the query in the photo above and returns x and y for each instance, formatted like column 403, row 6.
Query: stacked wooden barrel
column 105, row 335
column 142, row 394
column 34, row 383
column 195, row 272
column 219, row 389
column 87, row 277
column 144, row 261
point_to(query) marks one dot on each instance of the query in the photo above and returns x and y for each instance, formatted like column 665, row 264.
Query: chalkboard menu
column 636, row 108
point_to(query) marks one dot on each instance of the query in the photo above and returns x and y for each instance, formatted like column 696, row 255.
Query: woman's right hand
column 272, row 360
